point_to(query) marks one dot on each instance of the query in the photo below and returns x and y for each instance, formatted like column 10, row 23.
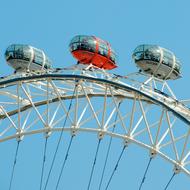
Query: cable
column 63, row 165
column 59, row 141
column 170, row 181
column 144, row 176
column 108, row 151
column 14, row 164
column 43, row 164
column 115, row 168
column 94, row 163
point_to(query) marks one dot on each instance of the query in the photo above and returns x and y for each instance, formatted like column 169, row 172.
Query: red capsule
column 93, row 50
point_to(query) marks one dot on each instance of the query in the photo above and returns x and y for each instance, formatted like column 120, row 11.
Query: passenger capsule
column 26, row 58
column 93, row 50
column 157, row 61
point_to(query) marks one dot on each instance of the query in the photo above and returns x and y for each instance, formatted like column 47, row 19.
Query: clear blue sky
column 50, row 24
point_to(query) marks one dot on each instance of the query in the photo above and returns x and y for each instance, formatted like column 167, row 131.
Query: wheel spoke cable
column 94, row 163
column 115, row 168
column 14, row 164
column 144, row 176
column 108, row 151
column 64, row 162
column 170, row 181
column 59, row 141
column 43, row 163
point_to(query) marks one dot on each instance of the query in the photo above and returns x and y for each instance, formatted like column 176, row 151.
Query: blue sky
column 49, row 25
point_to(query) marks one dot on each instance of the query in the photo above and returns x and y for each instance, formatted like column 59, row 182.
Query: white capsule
column 26, row 58
column 157, row 61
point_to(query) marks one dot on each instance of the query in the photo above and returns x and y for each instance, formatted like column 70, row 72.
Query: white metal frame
column 46, row 97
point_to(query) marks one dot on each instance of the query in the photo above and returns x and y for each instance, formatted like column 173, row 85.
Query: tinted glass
column 103, row 49
column 168, row 58
column 38, row 57
column 92, row 44
column 138, row 56
column 10, row 48
column 27, row 53
column 83, row 39
column 113, row 56
column 75, row 39
column 148, row 47
column 139, row 48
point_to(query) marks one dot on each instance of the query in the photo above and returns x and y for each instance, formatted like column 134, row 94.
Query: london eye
column 87, row 99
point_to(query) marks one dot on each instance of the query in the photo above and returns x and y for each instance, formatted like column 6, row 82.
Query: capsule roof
column 157, row 61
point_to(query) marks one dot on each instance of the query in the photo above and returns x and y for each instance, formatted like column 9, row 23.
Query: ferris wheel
column 139, row 108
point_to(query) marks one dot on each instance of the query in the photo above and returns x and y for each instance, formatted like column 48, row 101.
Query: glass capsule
column 26, row 58
column 157, row 61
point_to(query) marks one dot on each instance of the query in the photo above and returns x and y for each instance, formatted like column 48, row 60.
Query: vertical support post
column 105, row 105
column 18, row 105
column 47, row 109
column 132, row 115
column 19, row 130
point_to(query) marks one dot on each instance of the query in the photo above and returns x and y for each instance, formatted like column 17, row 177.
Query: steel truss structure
column 149, row 114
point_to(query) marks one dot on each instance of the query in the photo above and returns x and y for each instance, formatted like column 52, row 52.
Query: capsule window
column 138, row 56
column 38, row 57
column 139, row 48
column 155, row 56
column 113, row 56
column 74, row 46
column 152, row 54
column 48, row 63
column 147, row 54
column 18, row 52
column 178, row 65
column 177, row 68
column 103, row 49
column 37, row 60
column 91, row 45
column 18, row 48
column 27, row 55
column 75, row 39
column 11, row 48
column 147, row 47
column 168, row 58
column 83, row 39
column 84, row 46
